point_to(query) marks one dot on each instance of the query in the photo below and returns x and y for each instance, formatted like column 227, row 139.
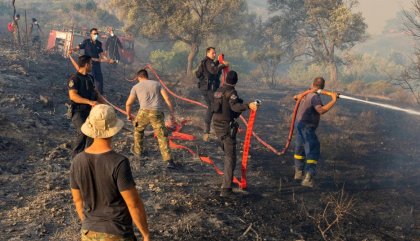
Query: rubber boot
column 298, row 174
column 308, row 181
column 172, row 165
column 226, row 192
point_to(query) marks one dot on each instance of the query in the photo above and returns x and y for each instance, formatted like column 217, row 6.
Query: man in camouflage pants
column 88, row 235
column 150, row 95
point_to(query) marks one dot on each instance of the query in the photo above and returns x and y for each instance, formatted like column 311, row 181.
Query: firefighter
column 112, row 46
column 208, row 74
column 83, row 96
column 93, row 48
column 227, row 106
column 307, row 149
column 36, row 33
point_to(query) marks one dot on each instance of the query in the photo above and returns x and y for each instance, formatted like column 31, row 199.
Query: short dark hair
column 319, row 82
column 93, row 29
column 83, row 60
column 210, row 48
column 143, row 73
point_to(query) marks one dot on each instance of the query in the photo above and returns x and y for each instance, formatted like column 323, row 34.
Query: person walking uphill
column 93, row 48
column 208, row 75
column 307, row 120
column 227, row 106
column 149, row 94
column 83, row 96
column 102, row 184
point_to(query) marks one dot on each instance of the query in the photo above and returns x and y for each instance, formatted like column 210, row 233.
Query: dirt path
column 371, row 152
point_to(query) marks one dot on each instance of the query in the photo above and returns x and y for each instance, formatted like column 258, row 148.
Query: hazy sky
column 377, row 12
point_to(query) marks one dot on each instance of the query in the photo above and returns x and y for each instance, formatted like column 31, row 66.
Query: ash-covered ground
column 370, row 154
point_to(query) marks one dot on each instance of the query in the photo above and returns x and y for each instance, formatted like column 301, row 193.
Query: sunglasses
column 95, row 33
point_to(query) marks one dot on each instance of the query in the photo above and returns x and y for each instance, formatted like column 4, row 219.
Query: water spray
column 409, row 111
column 392, row 107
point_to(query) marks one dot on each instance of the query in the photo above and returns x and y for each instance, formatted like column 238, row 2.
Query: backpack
column 10, row 27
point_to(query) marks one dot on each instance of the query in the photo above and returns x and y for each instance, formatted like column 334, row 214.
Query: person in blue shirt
column 93, row 48
column 307, row 148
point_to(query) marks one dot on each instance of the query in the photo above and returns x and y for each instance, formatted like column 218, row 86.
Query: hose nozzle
column 326, row 92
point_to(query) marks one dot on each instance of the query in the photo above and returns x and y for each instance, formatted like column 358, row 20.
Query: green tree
column 324, row 27
column 409, row 79
column 188, row 21
column 274, row 46
column 172, row 60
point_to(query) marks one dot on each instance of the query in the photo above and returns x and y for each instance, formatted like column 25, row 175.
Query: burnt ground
column 368, row 153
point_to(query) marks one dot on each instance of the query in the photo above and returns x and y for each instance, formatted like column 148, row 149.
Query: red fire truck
column 60, row 41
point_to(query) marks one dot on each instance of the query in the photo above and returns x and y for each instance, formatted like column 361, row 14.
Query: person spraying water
column 307, row 146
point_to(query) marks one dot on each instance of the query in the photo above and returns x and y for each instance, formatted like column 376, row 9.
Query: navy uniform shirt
column 231, row 105
column 85, row 86
column 91, row 49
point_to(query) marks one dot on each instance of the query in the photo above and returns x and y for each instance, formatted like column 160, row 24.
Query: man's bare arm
column 167, row 100
column 75, row 97
column 78, row 202
column 102, row 58
column 324, row 109
column 137, row 212
column 130, row 101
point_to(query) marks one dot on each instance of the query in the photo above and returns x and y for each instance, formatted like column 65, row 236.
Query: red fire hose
column 176, row 134
column 225, row 70
column 247, row 143
column 205, row 106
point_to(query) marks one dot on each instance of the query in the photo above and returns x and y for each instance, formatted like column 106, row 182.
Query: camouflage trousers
column 88, row 235
column 156, row 119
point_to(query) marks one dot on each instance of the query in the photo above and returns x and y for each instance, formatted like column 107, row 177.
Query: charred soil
column 372, row 154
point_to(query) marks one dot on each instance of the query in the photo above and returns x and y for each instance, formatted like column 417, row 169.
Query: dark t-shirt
column 85, row 86
column 100, row 179
column 92, row 49
column 307, row 113
column 112, row 45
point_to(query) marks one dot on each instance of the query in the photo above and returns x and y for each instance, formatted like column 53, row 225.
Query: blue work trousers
column 307, row 149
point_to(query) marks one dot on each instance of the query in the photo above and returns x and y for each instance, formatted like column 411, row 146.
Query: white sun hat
column 102, row 122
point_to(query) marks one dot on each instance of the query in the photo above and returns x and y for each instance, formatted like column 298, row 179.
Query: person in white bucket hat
column 102, row 184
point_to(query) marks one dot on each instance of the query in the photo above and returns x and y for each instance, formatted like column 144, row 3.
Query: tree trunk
column 191, row 56
column 332, row 67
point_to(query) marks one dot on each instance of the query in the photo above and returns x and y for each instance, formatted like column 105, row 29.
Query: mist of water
column 409, row 111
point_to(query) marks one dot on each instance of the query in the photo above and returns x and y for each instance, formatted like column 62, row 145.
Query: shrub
column 173, row 60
